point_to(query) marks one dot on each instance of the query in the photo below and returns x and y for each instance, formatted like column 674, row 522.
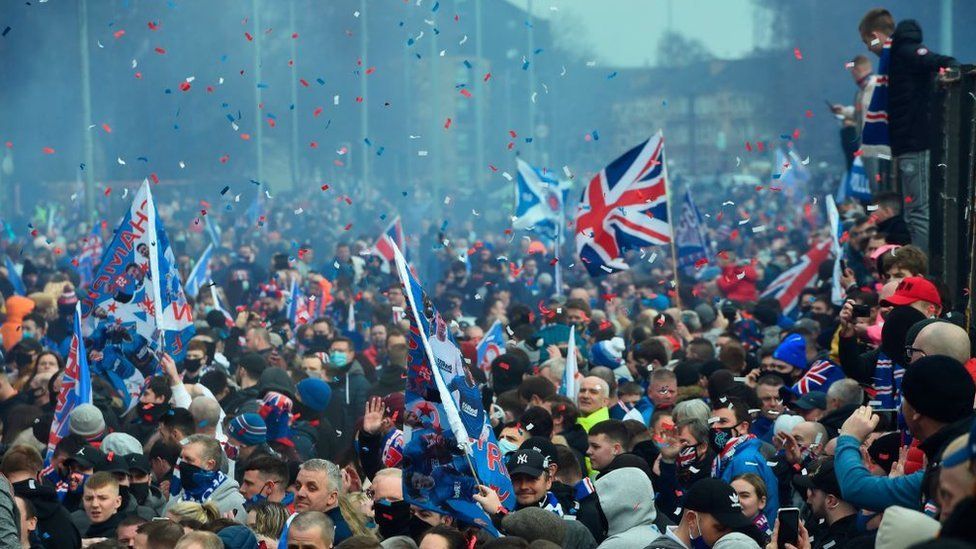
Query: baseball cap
column 113, row 463
column 527, row 462
column 822, row 479
column 717, row 498
column 139, row 462
column 810, row 401
column 912, row 289
column 88, row 457
column 542, row 445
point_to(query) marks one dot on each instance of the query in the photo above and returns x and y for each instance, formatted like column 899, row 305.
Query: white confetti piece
column 335, row 100
column 463, row 40
column 421, row 153
column 191, row 78
column 120, row 161
column 507, row 176
column 759, row 229
column 299, row 211
column 182, row 164
column 135, row 63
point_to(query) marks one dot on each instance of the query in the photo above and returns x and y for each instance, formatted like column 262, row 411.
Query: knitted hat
column 276, row 411
column 122, row 444
column 706, row 314
column 86, row 421
column 248, row 428
column 67, row 298
column 939, row 387
column 314, row 393
column 607, row 353
column 793, row 351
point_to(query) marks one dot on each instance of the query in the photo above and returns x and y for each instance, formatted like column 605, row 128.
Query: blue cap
column 793, row 351
column 314, row 393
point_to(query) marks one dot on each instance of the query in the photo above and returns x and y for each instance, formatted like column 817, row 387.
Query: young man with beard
column 737, row 451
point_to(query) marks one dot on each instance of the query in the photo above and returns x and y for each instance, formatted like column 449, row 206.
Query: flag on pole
column 449, row 445
column 212, row 229
column 92, row 247
column 75, row 387
column 624, row 207
column 135, row 307
column 689, row 236
column 219, row 305
column 393, row 234
column 539, row 201
column 837, row 293
column 855, row 185
column 490, row 347
column 787, row 286
column 14, row 277
column 200, row 273
column 569, row 386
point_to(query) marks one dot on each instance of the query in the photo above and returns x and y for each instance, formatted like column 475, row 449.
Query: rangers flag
column 75, row 387
column 393, row 234
column 689, row 237
column 787, row 286
column 624, row 207
column 539, row 200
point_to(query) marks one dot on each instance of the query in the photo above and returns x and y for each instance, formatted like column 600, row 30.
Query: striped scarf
column 874, row 137
column 887, row 382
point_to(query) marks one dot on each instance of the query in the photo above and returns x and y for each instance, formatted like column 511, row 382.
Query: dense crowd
column 705, row 414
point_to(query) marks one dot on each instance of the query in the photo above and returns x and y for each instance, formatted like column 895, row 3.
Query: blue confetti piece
column 596, row 135
column 223, row 58
column 418, row 56
column 258, row 183
column 537, row 51
column 368, row 142
column 444, row 225
column 612, row 75
column 525, row 65
column 230, row 117
column 382, row 217
column 411, row 41
column 262, row 85
column 6, row 30
column 272, row 116
column 291, row 107
column 380, row 151
column 776, row 175
column 224, row 106
column 321, row 81
column 143, row 158
column 785, row 136
column 224, row 190
column 82, row 166
column 664, row 103
column 467, row 63
column 167, row 91
column 404, row 193
column 400, row 24
column 437, row 6
column 528, row 139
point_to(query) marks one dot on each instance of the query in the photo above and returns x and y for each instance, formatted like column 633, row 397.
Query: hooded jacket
column 18, row 307
column 911, row 76
column 627, row 499
column 54, row 526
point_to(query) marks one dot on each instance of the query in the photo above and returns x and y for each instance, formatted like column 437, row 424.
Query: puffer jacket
column 627, row 499
column 18, row 307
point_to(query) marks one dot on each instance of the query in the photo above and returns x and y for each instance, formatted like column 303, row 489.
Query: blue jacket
column 763, row 429
column 862, row 489
column 748, row 459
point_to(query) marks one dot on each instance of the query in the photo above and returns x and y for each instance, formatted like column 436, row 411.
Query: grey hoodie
column 225, row 497
column 627, row 498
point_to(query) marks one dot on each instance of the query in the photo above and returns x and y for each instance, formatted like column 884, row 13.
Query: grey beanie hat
column 86, row 421
column 122, row 444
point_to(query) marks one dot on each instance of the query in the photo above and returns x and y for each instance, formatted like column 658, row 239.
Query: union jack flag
column 821, row 375
column 787, row 286
column 394, row 234
column 624, row 207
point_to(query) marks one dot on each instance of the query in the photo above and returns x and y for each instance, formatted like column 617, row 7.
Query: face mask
column 787, row 378
column 721, row 437
column 392, row 517
column 27, row 335
column 506, row 446
column 417, row 528
column 194, row 479
column 319, row 340
column 687, row 456
column 124, row 492
column 338, row 359
column 257, row 498
column 699, row 541
column 192, row 364
column 140, row 491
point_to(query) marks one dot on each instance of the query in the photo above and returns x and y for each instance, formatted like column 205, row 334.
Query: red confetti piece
column 857, row 152
column 760, row 146
column 317, row 111
column 159, row 50
column 512, row 133
column 909, row 199
column 272, row 122
column 371, row 70
column 210, row 89
column 748, row 146
column 224, row 159
column 447, row 124
column 314, row 144
column 465, row 92
column 809, row 113
column 57, row 251
column 47, row 150
column 701, row 263
column 184, row 86
column 797, row 54
column 107, row 128
column 291, row 62
column 9, row 144
column 487, row 76
column 154, row 177
column 494, row 169
column 347, row 227
column 294, row 35
column 153, row 25
column 246, row 136
column 108, row 191
column 139, row 75
column 248, row 36
column 118, row 34
column 303, row 82
column 325, row 187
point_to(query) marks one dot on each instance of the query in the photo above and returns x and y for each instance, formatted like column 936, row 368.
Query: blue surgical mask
column 27, row 335
column 338, row 359
column 698, row 542
column 506, row 446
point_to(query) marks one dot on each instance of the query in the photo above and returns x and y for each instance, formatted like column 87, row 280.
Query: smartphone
column 862, row 311
column 889, row 419
column 789, row 527
column 843, row 265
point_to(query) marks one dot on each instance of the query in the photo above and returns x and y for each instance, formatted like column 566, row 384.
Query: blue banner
column 75, row 388
column 490, row 347
column 200, row 274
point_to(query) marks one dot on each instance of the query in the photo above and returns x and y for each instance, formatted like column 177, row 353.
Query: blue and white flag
column 219, row 305
column 14, row 277
column 200, row 274
column 490, row 347
column 855, row 185
column 689, row 236
column 92, row 248
column 837, row 293
column 570, row 385
column 449, row 446
column 539, row 200
column 135, row 308
column 212, row 229
column 76, row 387
column 790, row 174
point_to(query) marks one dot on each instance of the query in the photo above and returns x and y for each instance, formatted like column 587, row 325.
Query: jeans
column 913, row 178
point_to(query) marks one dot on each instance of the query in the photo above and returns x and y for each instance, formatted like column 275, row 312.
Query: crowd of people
column 703, row 414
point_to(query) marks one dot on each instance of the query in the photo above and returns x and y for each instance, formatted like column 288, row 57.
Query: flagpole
column 674, row 250
column 559, row 246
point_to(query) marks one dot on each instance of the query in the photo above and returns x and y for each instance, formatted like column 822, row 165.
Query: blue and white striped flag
column 200, row 273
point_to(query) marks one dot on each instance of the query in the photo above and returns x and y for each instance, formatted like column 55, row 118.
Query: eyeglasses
column 910, row 352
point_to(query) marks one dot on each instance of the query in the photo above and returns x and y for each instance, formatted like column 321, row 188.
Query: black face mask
column 192, row 364
column 721, row 437
column 124, row 492
column 303, row 412
column 787, row 378
column 188, row 473
column 321, row 341
column 392, row 518
column 417, row 528
column 140, row 491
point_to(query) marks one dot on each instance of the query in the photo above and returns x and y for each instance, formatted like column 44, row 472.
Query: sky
column 625, row 33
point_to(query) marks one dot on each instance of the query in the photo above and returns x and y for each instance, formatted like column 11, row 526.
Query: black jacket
column 836, row 418
column 911, row 84
column 54, row 526
column 895, row 230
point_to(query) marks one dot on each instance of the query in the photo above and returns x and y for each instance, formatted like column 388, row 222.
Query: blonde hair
column 356, row 519
column 204, row 513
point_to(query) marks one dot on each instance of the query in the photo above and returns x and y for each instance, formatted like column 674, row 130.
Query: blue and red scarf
column 874, row 136
column 728, row 453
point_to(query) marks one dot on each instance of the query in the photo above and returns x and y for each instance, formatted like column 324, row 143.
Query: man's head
column 128, row 529
column 844, row 392
column 33, row 327
column 202, row 451
column 206, row 414
column 21, row 463
column 311, row 530
column 903, row 262
column 313, row 365
column 341, row 353
column 860, row 67
column 101, row 498
column 158, row 534
column 823, row 493
column 157, row 391
column 936, row 391
column 663, row 389
column 767, row 389
column 594, row 393
column 940, row 338
column 607, row 440
column 790, row 357
column 28, row 519
column 875, row 28
column 377, row 336
column 712, row 509
column 693, row 433
column 317, row 486
column 530, row 475
column 811, row 436
column 388, row 485
column 730, row 418
column 265, row 477
column 886, row 205
column 918, row 293
column 956, row 478
column 257, row 339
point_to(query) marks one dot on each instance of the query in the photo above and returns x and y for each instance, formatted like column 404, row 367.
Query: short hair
column 162, row 534
column 261, row 333
column 732, row 355
column 179, row 418
column 698, row 428
column 738, row 407
column 330, row 469
column 21, row 459
column 102, row 479
column 771, row 381
column 537, row 421
column 662, row 375
column 205, row 411
column 847, row 392
column 269, row 466
column 37, row 319
column 567, row 462
column 200, row 540
column 564, row 408
column 269, row 518
column 537, row 386
column 758, row 484
column 650, row 350
column 343, row 339
column 360, row 542
column 132, row 520
column 166, row 451
column 630, row 388
column 160, row 387
column 578, row 304
column 860, row 59
column 701, row 345
column 691, row 409
column 910, row 258
column 215, row 380
column 196, row 345
column 314, row 519
column 455, row 539
column 614, row 429
column 888, row 199
column 877, row 20
column 209, row 445
column 252, row 364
